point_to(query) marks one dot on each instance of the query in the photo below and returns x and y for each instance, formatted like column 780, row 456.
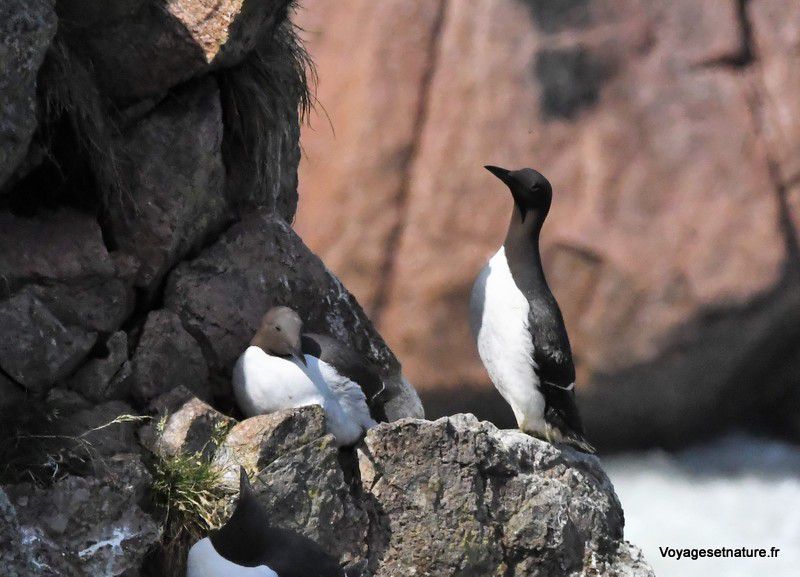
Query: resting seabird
column 247, row 546
column 518, row 326
column 273, row 374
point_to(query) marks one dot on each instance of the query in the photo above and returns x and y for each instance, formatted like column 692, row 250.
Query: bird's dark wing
column 291, row 554
column 248, row 539
column 350, row 364
column 552, row 359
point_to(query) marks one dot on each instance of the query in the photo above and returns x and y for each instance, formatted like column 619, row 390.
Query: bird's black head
column 242, row 538
column 532, row 192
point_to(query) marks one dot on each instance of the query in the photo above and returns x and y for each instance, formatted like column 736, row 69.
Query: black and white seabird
column 247, row 546
column 273, row 373
column 518, row 326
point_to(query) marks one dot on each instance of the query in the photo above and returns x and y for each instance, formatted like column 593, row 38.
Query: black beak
column 299, row 357
column 505, row 175
column 500, row 173
column 244, row 482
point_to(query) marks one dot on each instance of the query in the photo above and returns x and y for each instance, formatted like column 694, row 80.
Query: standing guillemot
column 518, row 326
column 274, row 374
column 247, row 546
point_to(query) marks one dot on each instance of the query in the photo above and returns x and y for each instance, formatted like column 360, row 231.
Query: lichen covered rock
column 451, row 497
column 87, row 525
column 15, row 560
column 459, row 497
column 185, row 424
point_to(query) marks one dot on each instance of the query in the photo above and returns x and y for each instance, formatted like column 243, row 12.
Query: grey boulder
column 459, row 497
column 174, row 182
column 36, row 350
column 167, row 357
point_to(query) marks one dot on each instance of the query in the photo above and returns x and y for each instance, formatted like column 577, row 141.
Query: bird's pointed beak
column 298, row 356
column 501, row 173
column 244, row 482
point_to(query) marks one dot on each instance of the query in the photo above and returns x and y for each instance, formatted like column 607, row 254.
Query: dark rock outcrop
column 60, row 257
column 60, row 290
column 36, row 349
column 174, row 185
column 140, row 49
column 26, row 29
column 107, row 377
column 167, row 357
column 90, row 432
column 146, row 158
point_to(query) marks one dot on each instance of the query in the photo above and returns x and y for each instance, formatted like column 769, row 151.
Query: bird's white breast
column 204, row 561
column 499, row 318
column 265, row 383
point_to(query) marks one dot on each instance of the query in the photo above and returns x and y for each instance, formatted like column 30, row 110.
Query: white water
column 738, row 491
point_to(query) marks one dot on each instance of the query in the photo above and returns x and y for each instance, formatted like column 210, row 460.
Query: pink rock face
column 776, row 32
column 658, row 125
column 372, row 98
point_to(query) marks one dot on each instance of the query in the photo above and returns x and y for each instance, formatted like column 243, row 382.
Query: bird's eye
column 277, row 328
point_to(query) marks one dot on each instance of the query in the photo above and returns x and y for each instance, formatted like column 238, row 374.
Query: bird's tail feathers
column 580, row 443
column 570, row 437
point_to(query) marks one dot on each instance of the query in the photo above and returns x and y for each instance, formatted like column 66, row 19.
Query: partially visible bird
column 339, row 363
column 517, row 323
column 274, row 374
column 247, row 546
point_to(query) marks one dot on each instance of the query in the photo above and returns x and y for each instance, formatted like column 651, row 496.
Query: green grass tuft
column 189, row 492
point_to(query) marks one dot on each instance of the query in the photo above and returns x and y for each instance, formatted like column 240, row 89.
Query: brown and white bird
column 283, row 369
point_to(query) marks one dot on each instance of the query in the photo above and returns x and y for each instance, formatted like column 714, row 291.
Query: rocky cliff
column 148, row 183
column 670, row 132
column 148, row 226
column 450, row 497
